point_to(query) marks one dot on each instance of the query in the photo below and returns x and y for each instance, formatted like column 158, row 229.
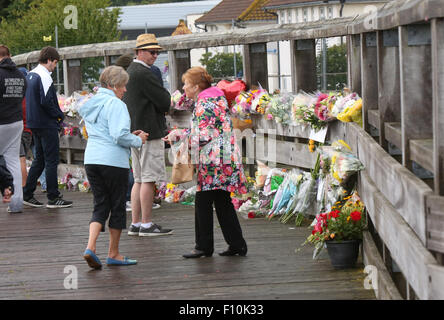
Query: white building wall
column 302, row 14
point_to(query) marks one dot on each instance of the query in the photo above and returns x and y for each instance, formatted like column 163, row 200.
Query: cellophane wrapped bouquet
column 242, row 105
column 260, row 102
column 323, row 106
column 279, row 108
column 180, row 101
column 303, row 111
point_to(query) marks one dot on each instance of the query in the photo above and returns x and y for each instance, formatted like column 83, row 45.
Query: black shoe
column 58, row 203
column 33, row 202
column 232, row 252
column 197, row 254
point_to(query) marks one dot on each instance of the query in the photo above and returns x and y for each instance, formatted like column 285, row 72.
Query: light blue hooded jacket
column 108, row 125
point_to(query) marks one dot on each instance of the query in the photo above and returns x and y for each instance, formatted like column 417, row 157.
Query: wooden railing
column 396, row 63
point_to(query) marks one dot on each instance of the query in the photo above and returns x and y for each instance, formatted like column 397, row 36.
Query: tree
column 25, row 32
column 221, row 65
column 336, row 63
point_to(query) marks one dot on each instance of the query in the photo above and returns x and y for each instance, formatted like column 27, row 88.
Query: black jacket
column 12, row 91
column 6, row 179
column 147, row 101
column 42, row 109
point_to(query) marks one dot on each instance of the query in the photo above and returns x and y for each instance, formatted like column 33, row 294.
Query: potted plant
column 341, row 231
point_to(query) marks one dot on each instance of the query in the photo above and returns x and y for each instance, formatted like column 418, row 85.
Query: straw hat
column 147, row 41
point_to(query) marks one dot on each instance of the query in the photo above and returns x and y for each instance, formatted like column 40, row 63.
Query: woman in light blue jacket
column 107, row 162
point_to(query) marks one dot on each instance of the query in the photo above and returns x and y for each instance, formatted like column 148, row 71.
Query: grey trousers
column 11, row 134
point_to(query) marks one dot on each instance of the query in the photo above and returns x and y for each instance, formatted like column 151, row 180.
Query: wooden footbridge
column 42, row 250
column 395, row 62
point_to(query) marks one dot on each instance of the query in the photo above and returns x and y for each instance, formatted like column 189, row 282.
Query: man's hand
column 7, row 195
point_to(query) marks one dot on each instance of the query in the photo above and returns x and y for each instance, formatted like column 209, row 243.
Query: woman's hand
column 172, row 136
column 136, row 132
column 143, row 135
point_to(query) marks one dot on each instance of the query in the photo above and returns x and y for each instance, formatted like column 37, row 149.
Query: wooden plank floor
column 37, row 245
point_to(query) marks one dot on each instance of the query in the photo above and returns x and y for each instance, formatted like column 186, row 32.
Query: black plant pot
column 343, row 254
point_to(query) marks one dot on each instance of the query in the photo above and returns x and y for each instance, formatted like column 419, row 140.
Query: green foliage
column 221, row 65
column 24, row 32
column 336, row 63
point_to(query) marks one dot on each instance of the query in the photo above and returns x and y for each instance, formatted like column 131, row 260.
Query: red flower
column 334, row 214
column 251, row 215
column 355, row 215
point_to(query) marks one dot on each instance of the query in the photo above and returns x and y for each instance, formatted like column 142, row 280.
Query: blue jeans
column 46, row 143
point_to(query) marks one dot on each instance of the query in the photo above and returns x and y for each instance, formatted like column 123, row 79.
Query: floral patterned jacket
column 213, row 144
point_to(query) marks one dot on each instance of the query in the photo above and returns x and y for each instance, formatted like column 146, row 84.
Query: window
column 296, row 12
column 289, row 16
column 330, row 12
column 283, row 18
column 305, row 15
column 322, row 13
column 312, row 14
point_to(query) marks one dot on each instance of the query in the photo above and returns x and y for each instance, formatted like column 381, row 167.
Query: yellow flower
column 348, row 218
column 332, row 235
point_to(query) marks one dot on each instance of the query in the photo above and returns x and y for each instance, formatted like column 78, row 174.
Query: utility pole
column 57, row 48
column 234, row 51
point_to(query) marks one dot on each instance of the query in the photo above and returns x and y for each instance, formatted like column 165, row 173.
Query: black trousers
column 108, row 185
column 226, row 214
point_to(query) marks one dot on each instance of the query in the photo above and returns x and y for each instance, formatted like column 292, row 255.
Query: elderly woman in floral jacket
column 219, row 169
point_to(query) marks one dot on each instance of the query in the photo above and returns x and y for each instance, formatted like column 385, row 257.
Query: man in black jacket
column 12, row 91
column 43, row 116
column 147, row 101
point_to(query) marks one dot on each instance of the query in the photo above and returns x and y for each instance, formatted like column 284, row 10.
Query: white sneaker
column 156, row 206
column 128, row 206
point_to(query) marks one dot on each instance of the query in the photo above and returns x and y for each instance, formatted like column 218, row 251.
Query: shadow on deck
column 38, row 244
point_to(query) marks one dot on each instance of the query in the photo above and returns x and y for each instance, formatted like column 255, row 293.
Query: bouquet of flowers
column 280, row 108
column 346, row 222
column 303, row 111
column 352, row 113
column 71, row 105
column 342, row 162
column 324, row 105
column 261, row 101
column 344, row 101
column 242, row 105
column 181, row 102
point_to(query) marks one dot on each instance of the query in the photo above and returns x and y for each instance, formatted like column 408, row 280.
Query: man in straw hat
column 147, row 103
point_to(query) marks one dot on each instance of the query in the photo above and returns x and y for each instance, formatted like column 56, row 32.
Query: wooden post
column 303, row 65
column 107, row 61
column 255, row 65
column 179, row 61
column 72, row 76
column 416, row 86
column 389, row 101
column 437, row 34
column 369, row 76
column 354, row 70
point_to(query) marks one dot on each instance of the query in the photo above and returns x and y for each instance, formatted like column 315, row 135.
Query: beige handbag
column 182, row 172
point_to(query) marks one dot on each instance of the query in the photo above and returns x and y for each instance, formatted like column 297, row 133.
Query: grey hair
column 113, row 76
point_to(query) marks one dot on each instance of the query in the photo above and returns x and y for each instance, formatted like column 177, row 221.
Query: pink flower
column 243, row 190
column 208, row 179
column 228, row 171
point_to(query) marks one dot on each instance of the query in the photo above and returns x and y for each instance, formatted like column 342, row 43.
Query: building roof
column 273, row 4
column 162, row 15
column 245, row 10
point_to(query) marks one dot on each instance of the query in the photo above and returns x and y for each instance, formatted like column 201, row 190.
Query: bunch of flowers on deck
column 323, row 106
column 261, row 101
column 280, row 108
column 242, row 105
column 303, row 111
column 345, row 221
